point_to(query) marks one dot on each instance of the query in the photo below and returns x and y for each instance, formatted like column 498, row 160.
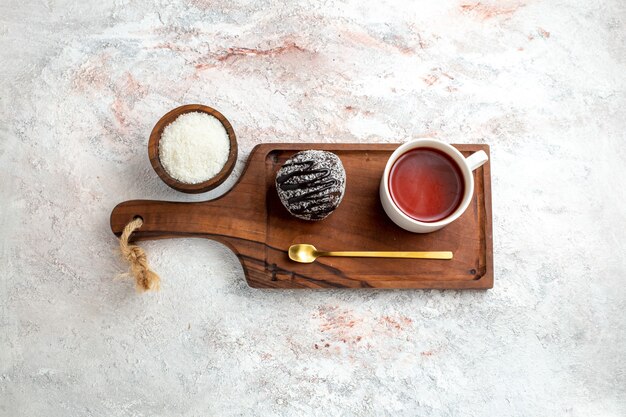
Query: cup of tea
column 428, row 184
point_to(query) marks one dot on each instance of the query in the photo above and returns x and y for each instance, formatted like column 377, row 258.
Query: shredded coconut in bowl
column 194, row 147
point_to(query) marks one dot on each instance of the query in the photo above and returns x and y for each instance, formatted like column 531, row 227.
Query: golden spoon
column 307, row 253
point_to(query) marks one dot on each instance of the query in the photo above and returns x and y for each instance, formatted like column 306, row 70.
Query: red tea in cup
column 426, row 184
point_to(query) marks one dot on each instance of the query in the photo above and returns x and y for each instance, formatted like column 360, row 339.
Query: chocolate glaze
column 311, row 184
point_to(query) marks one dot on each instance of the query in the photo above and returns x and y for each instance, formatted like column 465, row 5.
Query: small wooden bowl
column 155, row 138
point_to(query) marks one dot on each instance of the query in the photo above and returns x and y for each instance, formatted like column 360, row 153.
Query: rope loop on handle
column 145, row 278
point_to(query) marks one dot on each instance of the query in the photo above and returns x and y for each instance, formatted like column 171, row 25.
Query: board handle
column 164, row 219
column 239, row 214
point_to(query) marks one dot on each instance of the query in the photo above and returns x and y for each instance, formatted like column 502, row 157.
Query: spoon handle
column 376, row 254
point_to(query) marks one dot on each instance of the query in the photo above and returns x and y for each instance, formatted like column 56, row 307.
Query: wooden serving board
column 251, row 221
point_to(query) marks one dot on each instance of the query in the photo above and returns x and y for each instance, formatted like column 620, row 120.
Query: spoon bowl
column 303, row 253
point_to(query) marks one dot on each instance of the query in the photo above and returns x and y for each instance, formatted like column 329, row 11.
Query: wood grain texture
column 155, row 138
column 251, row 221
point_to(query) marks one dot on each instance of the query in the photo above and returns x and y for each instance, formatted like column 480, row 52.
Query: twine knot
column 135, row 254
column 145, row 278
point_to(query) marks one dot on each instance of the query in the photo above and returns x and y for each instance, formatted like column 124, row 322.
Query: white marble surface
column 82, row 83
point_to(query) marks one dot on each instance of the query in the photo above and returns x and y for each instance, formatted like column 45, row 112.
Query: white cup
column 466, row 165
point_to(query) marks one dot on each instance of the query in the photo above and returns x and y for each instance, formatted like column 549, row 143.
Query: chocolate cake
column 311, row 184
